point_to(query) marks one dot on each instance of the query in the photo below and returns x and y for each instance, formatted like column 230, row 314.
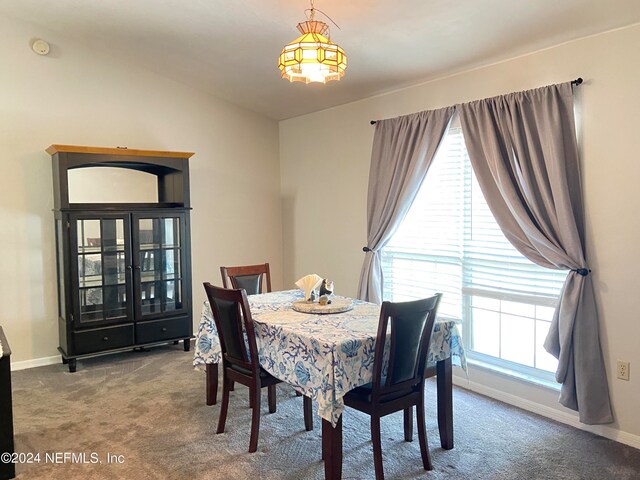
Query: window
column 449, row 242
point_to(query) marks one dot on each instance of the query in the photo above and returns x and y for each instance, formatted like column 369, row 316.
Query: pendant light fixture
column 312, row 57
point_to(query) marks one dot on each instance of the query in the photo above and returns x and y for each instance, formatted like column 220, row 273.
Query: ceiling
column 229, row 48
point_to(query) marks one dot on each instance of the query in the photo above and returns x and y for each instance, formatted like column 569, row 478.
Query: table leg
column 308, row 413
column 332, row 449
column 445, row 403
column 212, row 383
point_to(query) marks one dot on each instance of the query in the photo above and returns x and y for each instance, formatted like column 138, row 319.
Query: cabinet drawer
column 158, row 330
column 99, row 339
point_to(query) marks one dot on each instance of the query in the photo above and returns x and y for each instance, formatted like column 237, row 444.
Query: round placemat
column 337, row 305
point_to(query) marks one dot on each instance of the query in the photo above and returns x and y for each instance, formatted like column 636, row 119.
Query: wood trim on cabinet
column 55, row 148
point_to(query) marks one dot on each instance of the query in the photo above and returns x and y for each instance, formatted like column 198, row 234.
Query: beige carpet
column 149, row 409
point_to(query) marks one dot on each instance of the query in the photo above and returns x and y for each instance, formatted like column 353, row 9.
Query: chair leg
column 231, row 385
column 212, row 383
column 271, row 396
column 377, row 447
column 422, row 434
column 308, row 413
column 255, row 418
column 225, row 403
column 408, row 424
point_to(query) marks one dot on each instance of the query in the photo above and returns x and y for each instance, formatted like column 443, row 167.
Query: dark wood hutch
column 124, row 269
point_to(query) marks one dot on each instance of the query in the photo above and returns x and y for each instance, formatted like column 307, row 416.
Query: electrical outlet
column 623, row 370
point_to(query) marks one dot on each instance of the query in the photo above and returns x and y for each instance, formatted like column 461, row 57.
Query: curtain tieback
column 366, row 249
column 582, row 271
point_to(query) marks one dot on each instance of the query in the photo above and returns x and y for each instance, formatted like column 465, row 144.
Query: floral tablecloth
column 322, row 356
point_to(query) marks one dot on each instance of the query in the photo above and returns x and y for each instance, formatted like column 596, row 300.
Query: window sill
column 514, row 374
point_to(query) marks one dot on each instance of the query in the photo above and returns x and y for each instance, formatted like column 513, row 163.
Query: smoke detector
column 40, row 47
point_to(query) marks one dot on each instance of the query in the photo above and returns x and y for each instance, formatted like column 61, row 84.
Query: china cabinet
column 124, row 269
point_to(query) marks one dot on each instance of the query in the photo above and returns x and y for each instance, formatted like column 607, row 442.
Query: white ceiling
column 229, row 48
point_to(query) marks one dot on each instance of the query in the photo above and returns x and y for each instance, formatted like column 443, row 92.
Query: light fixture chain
column 312, row 11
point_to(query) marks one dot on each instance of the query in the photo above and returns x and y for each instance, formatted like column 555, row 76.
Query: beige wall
column 324, row 161
column 78, row 96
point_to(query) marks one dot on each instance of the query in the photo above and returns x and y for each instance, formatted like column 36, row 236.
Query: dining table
column 323, row 356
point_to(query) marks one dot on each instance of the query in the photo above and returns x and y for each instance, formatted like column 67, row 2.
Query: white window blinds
column 425, row 254
column 493, row 267
column 449, row 242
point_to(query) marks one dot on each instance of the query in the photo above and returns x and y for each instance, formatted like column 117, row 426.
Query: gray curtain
column 403, row 149
column 523, row 150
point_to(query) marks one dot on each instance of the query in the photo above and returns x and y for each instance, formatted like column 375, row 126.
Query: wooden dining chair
column 249, row 277
column 401, row 386
column 233, row 320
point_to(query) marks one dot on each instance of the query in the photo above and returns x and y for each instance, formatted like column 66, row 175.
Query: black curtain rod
column 575, row 82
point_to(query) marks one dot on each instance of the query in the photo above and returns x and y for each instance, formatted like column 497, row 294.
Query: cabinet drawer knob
column 163, row 329
column 106, row 339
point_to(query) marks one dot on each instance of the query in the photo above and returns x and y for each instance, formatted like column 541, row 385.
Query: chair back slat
column 249, row 277
column 411, row 326
column 232, row 317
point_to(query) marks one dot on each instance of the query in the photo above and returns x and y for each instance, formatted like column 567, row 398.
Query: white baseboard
column 552, row 413
column 56, row 359
column 36, row 362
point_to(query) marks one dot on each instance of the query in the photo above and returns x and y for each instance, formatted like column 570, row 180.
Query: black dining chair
column 249, row 277
column 232, row 316
column 401, row 386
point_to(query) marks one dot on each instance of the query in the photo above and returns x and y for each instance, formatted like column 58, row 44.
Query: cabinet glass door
column 102, row 254
column 159, row 264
